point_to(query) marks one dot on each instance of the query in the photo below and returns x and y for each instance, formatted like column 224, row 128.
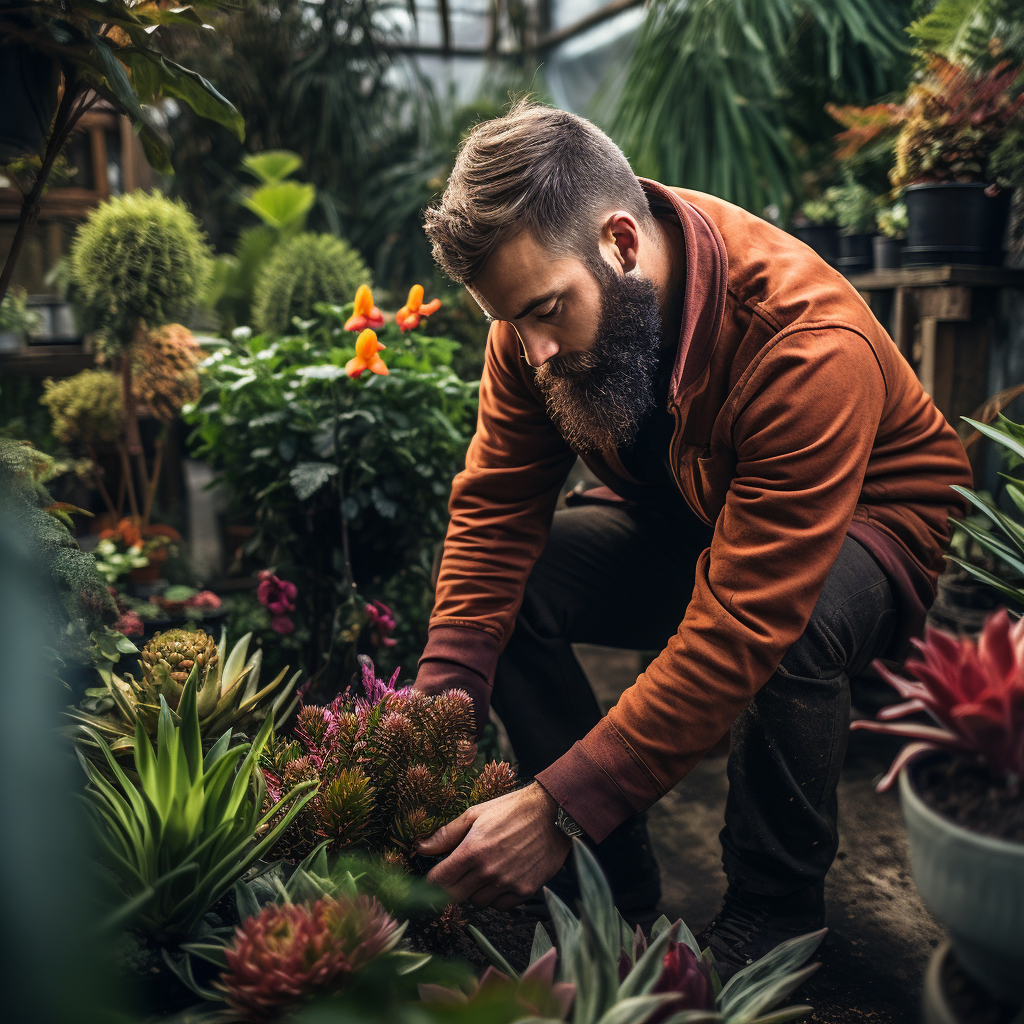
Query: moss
column 302, row 272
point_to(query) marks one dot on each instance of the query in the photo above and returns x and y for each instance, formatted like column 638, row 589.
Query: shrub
column 302, row 272
column 86, row 408
column 138, row 258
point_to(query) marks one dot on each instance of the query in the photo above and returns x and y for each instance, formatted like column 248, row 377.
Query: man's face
column 594, row 334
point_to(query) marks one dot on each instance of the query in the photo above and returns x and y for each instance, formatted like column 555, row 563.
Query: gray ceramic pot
column 974, row 885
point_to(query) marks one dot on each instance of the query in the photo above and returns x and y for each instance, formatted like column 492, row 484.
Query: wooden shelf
column 46, row 360
column 930, row 277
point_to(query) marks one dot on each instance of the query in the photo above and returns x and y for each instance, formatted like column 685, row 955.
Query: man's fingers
column 447, row 837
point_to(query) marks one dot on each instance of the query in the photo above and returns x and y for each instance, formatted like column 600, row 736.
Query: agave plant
column 228, row 696
column 621, row 976
column 191, row 826
column 974, row 693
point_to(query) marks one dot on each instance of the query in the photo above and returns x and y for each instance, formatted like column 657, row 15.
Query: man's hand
column 505, row 849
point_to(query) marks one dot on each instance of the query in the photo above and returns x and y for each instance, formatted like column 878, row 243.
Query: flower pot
column 888, row 252
column 28, row 84
column 955, row 222
column 949, row 997
column 855, row 253
column 974, row 885
column 822, row 238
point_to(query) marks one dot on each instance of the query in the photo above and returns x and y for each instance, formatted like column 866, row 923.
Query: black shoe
column 629, row 865
column 748, row 926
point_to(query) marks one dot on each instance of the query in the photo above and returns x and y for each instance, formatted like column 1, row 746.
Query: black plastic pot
column 28, row 85
column 822, row 238
column 855, row 254
column 955, row 222
column 888, row 252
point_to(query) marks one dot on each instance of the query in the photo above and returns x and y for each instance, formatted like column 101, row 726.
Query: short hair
column 534, row 168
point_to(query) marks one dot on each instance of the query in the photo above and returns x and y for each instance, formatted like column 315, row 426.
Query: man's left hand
column 504, row 849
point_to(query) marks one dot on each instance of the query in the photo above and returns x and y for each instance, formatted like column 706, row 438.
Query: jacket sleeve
column 800, row 467
column 501, row 508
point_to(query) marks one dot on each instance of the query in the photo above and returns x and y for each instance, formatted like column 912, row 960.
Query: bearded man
column 774, row 516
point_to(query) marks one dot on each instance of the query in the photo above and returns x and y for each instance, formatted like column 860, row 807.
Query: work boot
column 629, row 864
column 749, row 925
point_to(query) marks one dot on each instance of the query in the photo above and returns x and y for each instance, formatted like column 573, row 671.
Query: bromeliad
column 409, row 316
column 365, row 313
column 973, row 692
column 366, row 358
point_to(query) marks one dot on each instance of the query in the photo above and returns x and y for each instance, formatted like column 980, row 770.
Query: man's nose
column 538, row 349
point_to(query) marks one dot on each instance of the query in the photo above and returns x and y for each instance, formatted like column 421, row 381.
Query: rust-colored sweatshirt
column 797, row 421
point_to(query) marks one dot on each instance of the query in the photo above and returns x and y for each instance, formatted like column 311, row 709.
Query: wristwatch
column 568, row 824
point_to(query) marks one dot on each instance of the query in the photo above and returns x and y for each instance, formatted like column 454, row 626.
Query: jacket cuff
column 601, row 781
column 458, row 658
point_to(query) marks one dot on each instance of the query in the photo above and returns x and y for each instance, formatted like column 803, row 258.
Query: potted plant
column 854, row 205
column 892, row 233
column 16, row 321
column 960, row 791
column 953, row 122
column 815, row 225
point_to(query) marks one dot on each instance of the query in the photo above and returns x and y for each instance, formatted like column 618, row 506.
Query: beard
column 597, row 399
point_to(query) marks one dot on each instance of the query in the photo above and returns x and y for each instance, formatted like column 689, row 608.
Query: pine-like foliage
column 75, row 598
column 394, row 765
column 138, row 258
column 306, row 270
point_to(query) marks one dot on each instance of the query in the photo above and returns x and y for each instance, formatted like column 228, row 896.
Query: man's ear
column 620, row 239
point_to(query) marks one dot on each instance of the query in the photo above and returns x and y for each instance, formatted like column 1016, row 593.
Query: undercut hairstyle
column 536, row 169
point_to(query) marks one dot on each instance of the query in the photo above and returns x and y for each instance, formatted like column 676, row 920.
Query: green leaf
column 541, row 943
column 281, row 205
column 273, row 165
column 596, row 899
column 644, row 975
column 1000, row 436
column 308, row 477
column 491, row 953
column 766, row 972
column 1015, row 594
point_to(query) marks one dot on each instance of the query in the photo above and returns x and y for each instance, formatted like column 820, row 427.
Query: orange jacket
column 796, row 421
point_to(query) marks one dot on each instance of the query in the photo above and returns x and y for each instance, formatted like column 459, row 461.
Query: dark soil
column 510, row 932
column 969, row 1001
column 966, row 793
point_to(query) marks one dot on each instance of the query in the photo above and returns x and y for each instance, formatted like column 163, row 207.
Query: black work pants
column 622, row 577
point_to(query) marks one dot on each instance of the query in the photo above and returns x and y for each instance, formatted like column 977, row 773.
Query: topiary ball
column 140, row 257
column 86, row 408
column 305, row 270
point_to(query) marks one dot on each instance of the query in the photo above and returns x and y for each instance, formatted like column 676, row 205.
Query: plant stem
column 349, row 579
column 100, row 486
column 131, row 419
column 126, row 474
column 154, row 480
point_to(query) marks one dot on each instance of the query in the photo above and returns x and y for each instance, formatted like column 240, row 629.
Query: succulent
column 301, row 272
column 86, row 408
column 623, row 976
column 973, row 692
column 229, row 694
column 178, row 838
column 394, row 766
column 139, row 258
column 289, row 953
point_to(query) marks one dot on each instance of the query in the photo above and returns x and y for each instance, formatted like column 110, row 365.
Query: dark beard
column 598, row 399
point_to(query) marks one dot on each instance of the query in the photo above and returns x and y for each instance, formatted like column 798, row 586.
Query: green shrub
column 138, row 258
column 86, row 408
column 309, row 453
column 302, row 272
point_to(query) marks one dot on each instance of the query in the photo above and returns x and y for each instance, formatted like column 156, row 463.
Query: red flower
column 364, row 313
column 282, row 624
column 130, row 624
column 276, row 595
column 974, row 692
column 408, row 317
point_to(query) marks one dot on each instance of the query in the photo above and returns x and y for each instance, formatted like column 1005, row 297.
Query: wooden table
column 944, row 320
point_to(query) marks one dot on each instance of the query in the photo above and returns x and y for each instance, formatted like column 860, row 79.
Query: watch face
column 568, row 824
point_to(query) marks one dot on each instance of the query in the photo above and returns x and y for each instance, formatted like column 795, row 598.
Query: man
column 774, row 517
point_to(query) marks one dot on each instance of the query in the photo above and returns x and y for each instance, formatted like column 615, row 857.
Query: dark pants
column 622, row 577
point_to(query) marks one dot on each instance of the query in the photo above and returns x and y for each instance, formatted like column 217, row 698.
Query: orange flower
column 365, row 314
column 366, row 358
column 408, row 317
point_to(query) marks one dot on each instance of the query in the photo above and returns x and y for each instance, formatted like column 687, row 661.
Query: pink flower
column 130, row 624
column 205, row 599
column 278, row 597
column 282, row 624
column 382, row 624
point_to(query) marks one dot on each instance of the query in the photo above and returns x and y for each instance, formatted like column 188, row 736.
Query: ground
column 880, row 935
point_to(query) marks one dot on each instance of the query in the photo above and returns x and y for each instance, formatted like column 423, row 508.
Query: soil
column 966, row 793
column 511, row 933
column 969, row 1002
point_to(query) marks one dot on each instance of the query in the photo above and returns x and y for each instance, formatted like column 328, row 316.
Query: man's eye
column 553, row 311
